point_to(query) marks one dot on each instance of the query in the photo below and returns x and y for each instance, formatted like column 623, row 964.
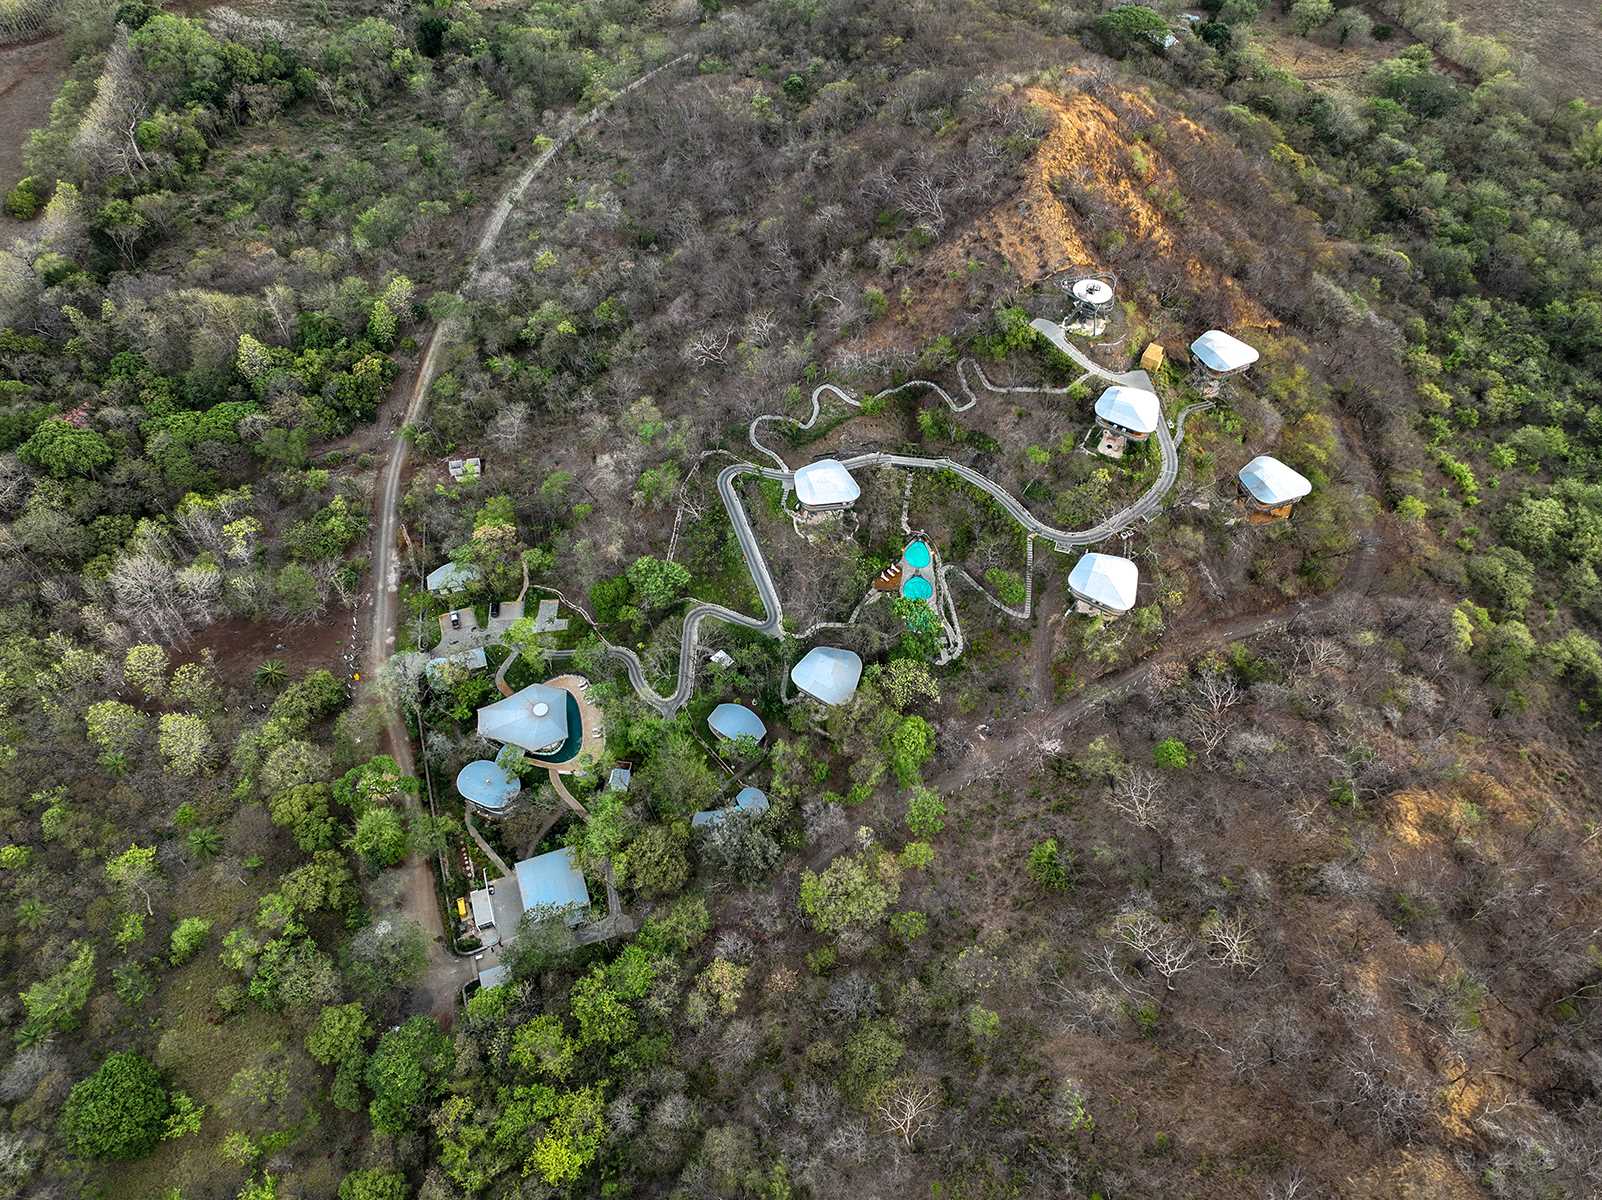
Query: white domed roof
column 829, row 673
column 1219, row 351
column 1105, row 580
column 825, row 482
column 1129, row 408
column 1272, row 482
column 1092, row 291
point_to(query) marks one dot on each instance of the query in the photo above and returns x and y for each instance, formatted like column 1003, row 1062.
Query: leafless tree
column 909, row 1108
column 708, row 347
column 1168, row 952
column 1207, row 706
column 1231, row 942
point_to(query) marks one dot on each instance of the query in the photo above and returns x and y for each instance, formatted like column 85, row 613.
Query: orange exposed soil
column 1088, row 148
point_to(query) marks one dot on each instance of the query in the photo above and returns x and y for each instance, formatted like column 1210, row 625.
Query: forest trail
column 991, row 757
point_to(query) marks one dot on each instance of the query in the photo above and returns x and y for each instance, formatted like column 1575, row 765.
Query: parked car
column 456, row 618
column 495, row 610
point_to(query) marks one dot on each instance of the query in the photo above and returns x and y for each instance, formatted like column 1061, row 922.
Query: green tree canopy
column 119, row 1112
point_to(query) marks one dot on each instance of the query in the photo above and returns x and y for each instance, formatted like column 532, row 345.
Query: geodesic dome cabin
column 1270, row 489
column 1221, row 355
column 1129, row 412
column 1104, row 583
column 825, row 486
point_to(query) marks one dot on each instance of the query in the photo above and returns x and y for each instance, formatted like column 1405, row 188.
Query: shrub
column 188, row 936
column 1050, row 866
column 926, row 812
column 1171, row 754
column 119, row 1112
column 26, row 199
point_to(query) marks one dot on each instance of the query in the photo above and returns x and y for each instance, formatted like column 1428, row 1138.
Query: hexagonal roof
column 1129, row 408
column 1220, row 352
column 1272, row 482
column 825, row 482
column 829, row 673
column 1105, row 580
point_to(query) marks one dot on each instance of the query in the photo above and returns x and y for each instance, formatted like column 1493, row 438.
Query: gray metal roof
column 736, row 720
column 1272, row 482
column 534, row 718
column 1129, row 408
column 825, row 482
column 829, row 673
column 451, row 577
column 494, row 976
column 618, row 780
column 553, row 881
column 486, row 784
column 1105, row 580
column 1220, row 352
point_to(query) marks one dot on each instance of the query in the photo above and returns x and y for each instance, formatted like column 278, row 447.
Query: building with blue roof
column 554, row 882
column 750, row 800
column 535, row 718
column 485, row 785
column 733, row 721
column 828, row 673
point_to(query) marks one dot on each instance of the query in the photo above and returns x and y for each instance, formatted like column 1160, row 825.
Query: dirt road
column 446, row 972
column 1022, row 738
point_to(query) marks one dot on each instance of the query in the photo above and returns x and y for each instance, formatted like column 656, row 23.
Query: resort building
column 825, row 486
column 1269, row 489
column 1092, row 300
column 554, row 882
column 1104, row 585
column 487, row 787
column 1220, row 356
column 750, row 800
column 1126, row 413
column 828, row 673
column 734, row 721
column 452, row 577
column 483, row 907
column 538, row 719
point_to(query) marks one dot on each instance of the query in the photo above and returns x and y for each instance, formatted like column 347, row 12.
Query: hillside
column 1272, row 877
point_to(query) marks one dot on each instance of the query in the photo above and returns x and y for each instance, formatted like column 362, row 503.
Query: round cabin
column 1269, row 489
column 825, row 486
column 1104, row 584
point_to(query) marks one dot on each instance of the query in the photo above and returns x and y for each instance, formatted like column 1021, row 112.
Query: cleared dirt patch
column 30, row 77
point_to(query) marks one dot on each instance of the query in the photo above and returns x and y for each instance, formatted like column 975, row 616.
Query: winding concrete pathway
column 772, row 622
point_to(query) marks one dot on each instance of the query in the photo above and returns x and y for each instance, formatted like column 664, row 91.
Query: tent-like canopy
column 553, row 881
column 1221, row 353
column 750, row 800
column 829, row 673
column 1129, row 408
column 1105, row 580
column 825, row 483
column 486, row 785
column 451, row 577
column 534, row 718
column 1272, row 483
column 736, row 720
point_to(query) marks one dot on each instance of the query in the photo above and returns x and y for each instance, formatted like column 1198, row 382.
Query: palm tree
column 115, row 763
column 204, row 841
column 272, row 674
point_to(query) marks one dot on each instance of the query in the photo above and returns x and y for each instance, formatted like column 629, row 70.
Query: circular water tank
column 1095, row 292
